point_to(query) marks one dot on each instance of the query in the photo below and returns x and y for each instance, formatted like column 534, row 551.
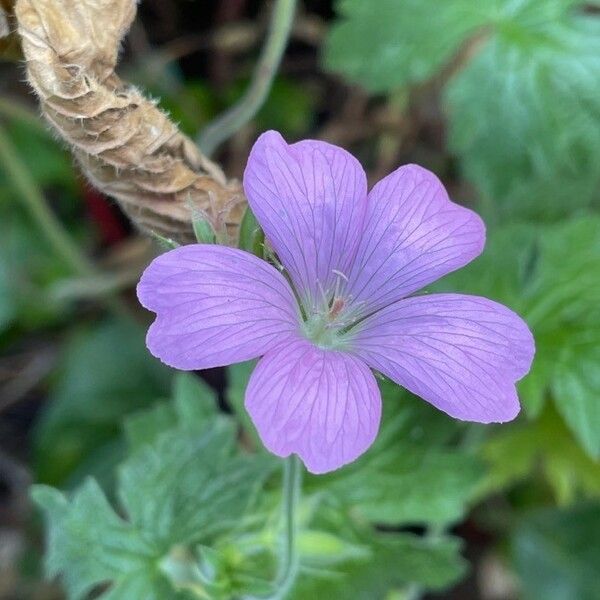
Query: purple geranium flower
column 352, row 261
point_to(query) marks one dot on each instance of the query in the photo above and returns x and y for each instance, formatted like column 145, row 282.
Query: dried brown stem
column 127, row 147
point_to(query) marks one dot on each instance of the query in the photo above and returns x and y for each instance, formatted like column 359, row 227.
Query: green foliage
column 576, row 387
column 8, row 306
column 556, row 553
column 400, row 42
column 524, row 106
column 203, row 230
column 47, row 162
column 238, row 376
column 516, row 452
column 391, row 562
column 524, row 111
column 191, row 105
column 28, row 270
column 183, row 485
column 105, row 373
column 27, row 274
column 185, row 488
column 89, row 544
column 289, row 108
column 413, row 473
column 194, row 402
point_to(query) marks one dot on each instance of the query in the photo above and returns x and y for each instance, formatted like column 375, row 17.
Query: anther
column 336, row 308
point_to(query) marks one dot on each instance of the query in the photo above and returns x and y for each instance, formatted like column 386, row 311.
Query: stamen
column 340, row 274
column 336, row 308
column 323, row 293
column 337, row 291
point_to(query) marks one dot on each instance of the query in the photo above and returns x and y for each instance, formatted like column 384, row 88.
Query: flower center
column 328, row 320
column 321, row 330
column 329, row 325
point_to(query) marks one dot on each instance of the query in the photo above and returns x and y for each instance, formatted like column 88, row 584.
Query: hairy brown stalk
column 127, row 147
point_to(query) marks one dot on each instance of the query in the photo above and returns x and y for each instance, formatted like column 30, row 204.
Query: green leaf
column 186, row 449
column 399, row 42
column 394, row 561
column 88, row 544
column 524, row 107
column 187, row 486
column 557, row 553
column 413, row 473
column 106, row 373
column 524, row 111
column 183, row 489
column 194, row 400
column 325, row 548
column 576, row 389
column 194, row 409
column 145, row 426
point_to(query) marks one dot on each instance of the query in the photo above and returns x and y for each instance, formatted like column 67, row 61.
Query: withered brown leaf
column 127, row 147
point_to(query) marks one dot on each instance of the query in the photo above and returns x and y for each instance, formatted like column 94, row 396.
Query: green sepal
column 203, row 229
column 252, row 237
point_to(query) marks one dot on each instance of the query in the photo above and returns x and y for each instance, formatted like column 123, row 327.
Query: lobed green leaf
column 184, row 484
column 523, row 95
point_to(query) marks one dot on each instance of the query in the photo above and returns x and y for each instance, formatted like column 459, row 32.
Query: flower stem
column 225, row 125
column 288, row 567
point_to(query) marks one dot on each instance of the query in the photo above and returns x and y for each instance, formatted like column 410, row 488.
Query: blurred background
column 502, row 100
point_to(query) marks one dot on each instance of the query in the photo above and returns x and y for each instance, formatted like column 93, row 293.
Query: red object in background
column 106, row 217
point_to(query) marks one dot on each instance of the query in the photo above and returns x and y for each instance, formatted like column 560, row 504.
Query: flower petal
column 462, row 354
column 323, row 405
column 310, row 199
column 215, row 306
column 414, row 234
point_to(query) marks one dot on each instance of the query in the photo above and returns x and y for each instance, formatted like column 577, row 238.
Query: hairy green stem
column 290, row 561
column 224, row 126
